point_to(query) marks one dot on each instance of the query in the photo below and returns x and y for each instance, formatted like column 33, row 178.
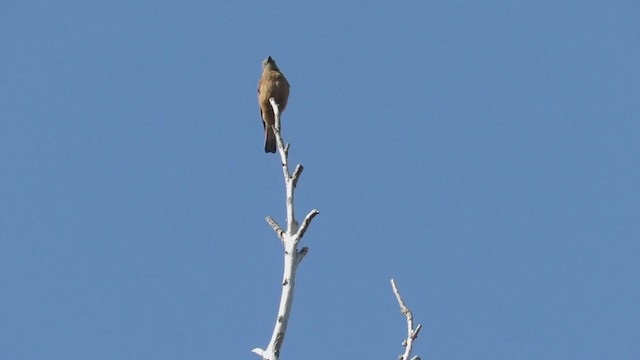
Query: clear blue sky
column 484, row 154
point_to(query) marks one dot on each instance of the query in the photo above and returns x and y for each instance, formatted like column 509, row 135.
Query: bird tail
column 269, row 141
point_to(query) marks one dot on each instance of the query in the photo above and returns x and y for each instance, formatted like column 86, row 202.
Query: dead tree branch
column 412, row 333
column 290, row 240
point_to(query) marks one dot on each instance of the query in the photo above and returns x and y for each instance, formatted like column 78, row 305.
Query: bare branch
column 290, row 238
column 306, row 222
column 282, row 149
column 411, row 332
column 276, row 113
column 275, row 227
column 296, row 174
column 277, row 127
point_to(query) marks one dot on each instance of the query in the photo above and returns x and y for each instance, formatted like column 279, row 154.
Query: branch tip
column 411, row 332
column 296, row 174
column 416, row 331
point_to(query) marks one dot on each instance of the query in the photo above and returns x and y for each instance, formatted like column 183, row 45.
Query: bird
column 272, row 84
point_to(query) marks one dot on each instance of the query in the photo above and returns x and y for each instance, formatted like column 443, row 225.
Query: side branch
column 306, row 222
column 412, row 333
column 296, row 174
column 275, row 227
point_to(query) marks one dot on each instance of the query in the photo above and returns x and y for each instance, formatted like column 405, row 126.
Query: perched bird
column 272, row 84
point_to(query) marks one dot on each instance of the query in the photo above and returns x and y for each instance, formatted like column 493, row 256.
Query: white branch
column 306, row 222
column 292, row 224
column 290, row 239
column 276, row 114
column 411, row 332
column 276, row 227
column 258, row 351
column 296, row 174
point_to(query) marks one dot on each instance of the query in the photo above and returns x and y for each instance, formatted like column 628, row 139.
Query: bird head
column 269, row 64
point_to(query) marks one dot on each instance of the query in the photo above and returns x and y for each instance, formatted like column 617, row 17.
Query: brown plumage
column 272, row 84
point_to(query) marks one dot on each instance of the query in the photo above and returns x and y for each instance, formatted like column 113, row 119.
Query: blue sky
column 483, row 154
